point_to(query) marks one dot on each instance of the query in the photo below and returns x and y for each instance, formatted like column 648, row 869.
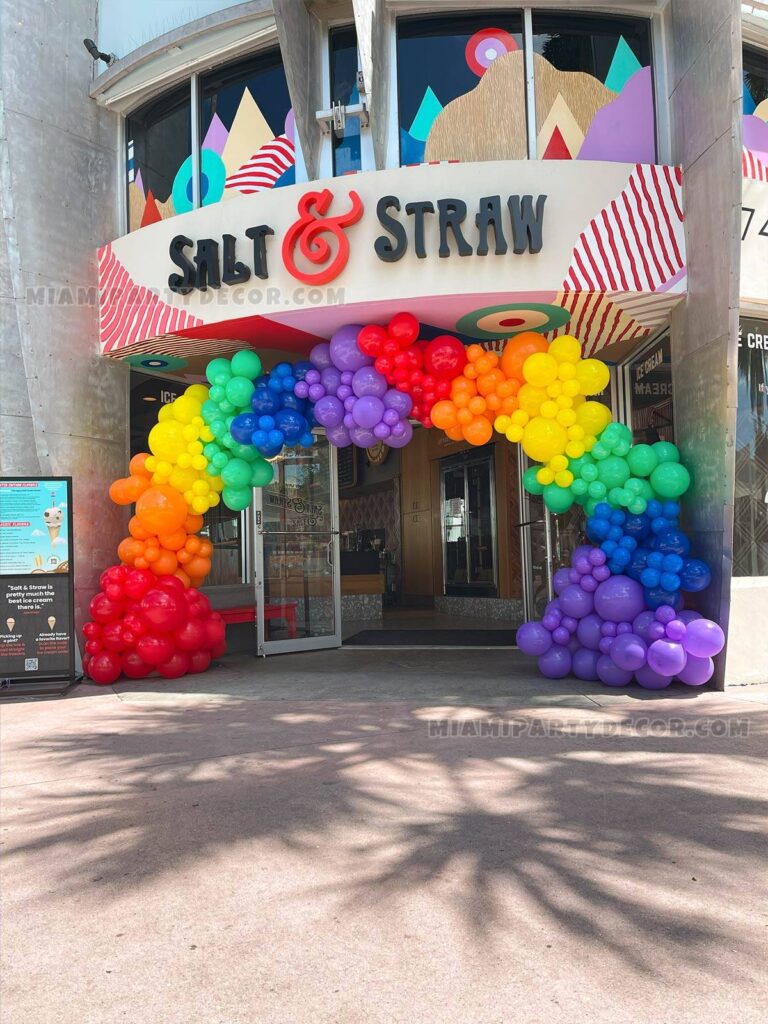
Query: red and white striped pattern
column 262, row 170
column 752, row 166
column 178, row 345
column 129, row 312
column 636, row 243
column 596, row 321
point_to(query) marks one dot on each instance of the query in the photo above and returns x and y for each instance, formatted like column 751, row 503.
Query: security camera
column 96, row 53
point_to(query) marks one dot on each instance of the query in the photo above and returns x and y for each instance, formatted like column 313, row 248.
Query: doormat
column 432, row 638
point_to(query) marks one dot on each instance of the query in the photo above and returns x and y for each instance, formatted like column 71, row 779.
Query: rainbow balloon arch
column 618, row 614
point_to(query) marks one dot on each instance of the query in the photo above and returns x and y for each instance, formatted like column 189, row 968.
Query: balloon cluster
column 141, row 623
column 177, row 443
column 422, row 370
column 598, row 627
column 278, row 418
column 237, row 467
column 351, row 398
column 481, row 395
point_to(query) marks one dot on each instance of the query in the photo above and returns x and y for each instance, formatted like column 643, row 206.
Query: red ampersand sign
column 307, row 233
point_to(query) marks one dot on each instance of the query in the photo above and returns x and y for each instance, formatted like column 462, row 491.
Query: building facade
column 595, row 169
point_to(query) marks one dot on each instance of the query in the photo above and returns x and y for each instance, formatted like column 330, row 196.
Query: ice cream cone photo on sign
column 53, row 518
column 51, row 621
column 10, row 623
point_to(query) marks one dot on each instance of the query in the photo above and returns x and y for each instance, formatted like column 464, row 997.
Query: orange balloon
column 517, row 350
column 455, row 433
column 183, row 556
column 166, row 563
column 479, row 431
column 137, row 530
column 193, row 523
column 443, row 414
column 129, row 549
column 192, row 545
column 180, row 574
column 173, row 541
column 141, row 563
column 161, row 509
column 136, row 465
column 206, row 548
column 198, row 567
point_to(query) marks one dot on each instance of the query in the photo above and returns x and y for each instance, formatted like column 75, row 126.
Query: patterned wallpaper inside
column 376, row 510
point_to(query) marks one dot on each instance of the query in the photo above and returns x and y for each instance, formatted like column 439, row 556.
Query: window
column 344, row 67
column 224, row 529
column 594, row 89
column 469, row 524
column 650, row 384
column 158, row 145
column 755, row 87
column 750, row 529
column 461, row 87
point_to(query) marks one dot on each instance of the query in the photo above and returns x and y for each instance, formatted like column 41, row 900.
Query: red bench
column 247, row 613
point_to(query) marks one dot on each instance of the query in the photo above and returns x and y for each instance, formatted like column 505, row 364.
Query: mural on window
column 461, row 88
column 158, row 143
column 344, row 65
column 594, row 89
column 755, row 115
column 247, row 130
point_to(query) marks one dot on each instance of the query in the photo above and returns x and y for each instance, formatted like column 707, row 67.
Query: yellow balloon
column 548, row 410
column 530, row 399
column 182, row 480
column 514, row 433
column 197, row 391
column 565, row 349
column 545, row 476
column 594, row 417
column 542, row 439
column 502, row 424
column 593, row 376
column 167, row 441
column 185, row 409
column 519, row 417
column 558, row 463
column 540, row 369
column 564, row 478
column 164, row 413
column 574, row 449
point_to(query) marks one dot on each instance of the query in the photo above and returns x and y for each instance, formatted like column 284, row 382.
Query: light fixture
column 149, row 398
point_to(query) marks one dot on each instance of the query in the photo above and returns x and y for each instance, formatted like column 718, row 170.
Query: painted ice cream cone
column 53, row 532
column 10, row 623
column 53, row 518
column 51, row 621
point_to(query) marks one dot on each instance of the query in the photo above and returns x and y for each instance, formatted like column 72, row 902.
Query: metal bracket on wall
column 334, row 120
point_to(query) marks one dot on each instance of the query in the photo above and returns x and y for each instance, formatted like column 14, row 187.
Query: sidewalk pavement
column 376, row 837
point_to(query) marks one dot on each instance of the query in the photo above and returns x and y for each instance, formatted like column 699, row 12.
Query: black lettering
column 234, row 271
column 452, row 212
column 207, row 260
column 390, row 250
column 489, row 214
column 417, row 211
column 259, row 236
column 526, row 226
column 182, row 283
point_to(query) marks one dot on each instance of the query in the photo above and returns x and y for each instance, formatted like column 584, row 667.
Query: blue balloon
column 653, row 509
column 242, row 427
column 670, row 582
column 695, row 575
column 673, row 541
column 637, row 526
column 264, row 401
column 656, row 596
column 266, row 423
column 306, row 440
column 637, row 563
column 672, row 563
column 650, row 578
column 655, row 559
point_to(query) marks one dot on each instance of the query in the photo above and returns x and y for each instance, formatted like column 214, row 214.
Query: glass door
column 469, row 525
column 298, row 587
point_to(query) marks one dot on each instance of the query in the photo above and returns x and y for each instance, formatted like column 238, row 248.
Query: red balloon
column 134, row 666
column 103, row 610
column 199, row 661
column 112, row 636
column 191, row 637
column 404, row 328
column 215, row 631
column 105, row 667
column 219, row 649
column 93, row 646
column 445, row 357
column 134, row 624
column 114, row 574
column 91, row 630
column 171, row 583
column 176, row 666
column 154, row 649
column 138, row 582
column 114, row 592
column 163, row 610
column 370, row 339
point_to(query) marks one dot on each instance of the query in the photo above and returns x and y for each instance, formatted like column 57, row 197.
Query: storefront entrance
column 296, row 541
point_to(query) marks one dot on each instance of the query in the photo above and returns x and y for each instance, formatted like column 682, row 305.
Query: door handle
column 328, row 553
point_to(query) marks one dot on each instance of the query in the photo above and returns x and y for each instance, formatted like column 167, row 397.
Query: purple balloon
column 665, row 613
column 320, row 356
column 399, row 401
column 642, row 622
column 601, row 573
column 623, row 627
column 363, row 437
column 301, row 390
column 368, row 381
column 655, row 631
column 608, row 629
column 629, row 651
column 556, row 662
column 675, row 629
column 349, row 403
column 582, row 551
column 666, row 657
column 330, row 378
column 550, row 621
column 313, row 376
column 561, row 580
column 346, row 378
column 618, row 599
column 697, row 671
column 316, row 392
column 338, row 436
column 588, row 583
column 569, row 622
column 400, row 440
column 343, row 392
column 349, row 421
column 329, row 412
column 588, row 631
column 649, row 679
column 574, row 575
column 584, row 663
column 532, row 638
column 382, row 431
column 605, row 645
column 582, row 565
column 390, row 417
column 688, row 615
column 610, row 673
column 597, row 556
column 704, row 638
column 576, row 602
column 344, row 351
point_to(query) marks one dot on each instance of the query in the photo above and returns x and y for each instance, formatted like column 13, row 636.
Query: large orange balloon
column 161, row 509
column 479, row 431
column 517, row 350
column 136, row 465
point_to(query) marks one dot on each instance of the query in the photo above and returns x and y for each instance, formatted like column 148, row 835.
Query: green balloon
column 557, row 498
column 670, row 479
column 642, row 459
column 597, row 490
column 211, row 449
column 530, row 483
column 613, row 471
column 622, row 448
column 237, row 498
column 246, row 364
column 236, row 473
column 217, row 394
column 226, row 407
column 637, row 506
column 666, row 451
column 634, row 486
column 218, row 371
column 647, row 491
column 210, row 410
column 616, row 497
column 239, row 391
column 245, row 451
column 579, row 488
column 229, row 442
column 261, row 473
column 589, row 472
column 599, row 451
column 219, row 460
column 218, row 428
column 590, row 506
column 615, row 434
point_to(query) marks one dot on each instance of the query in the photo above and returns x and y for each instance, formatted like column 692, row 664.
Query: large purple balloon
column 688, row 615
column 628, row 651
column 533, row 638
column 704, row 638
column 588, row 631
column 399, row 401
column 330, row 378
column 320, row 356
column 363, row 437
column 367, row 411
column 619, row 598
column 400, row 440
column 556, row 663
column 561, row 580
column 584, row 663
column 697, row 671
column 576, row 602
column 650, row 679
column 368, row 381
column 642, row 622
column 344, row 351
column 667, row 657
column 329, row 412
column 338, row 436
column 610, row 673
